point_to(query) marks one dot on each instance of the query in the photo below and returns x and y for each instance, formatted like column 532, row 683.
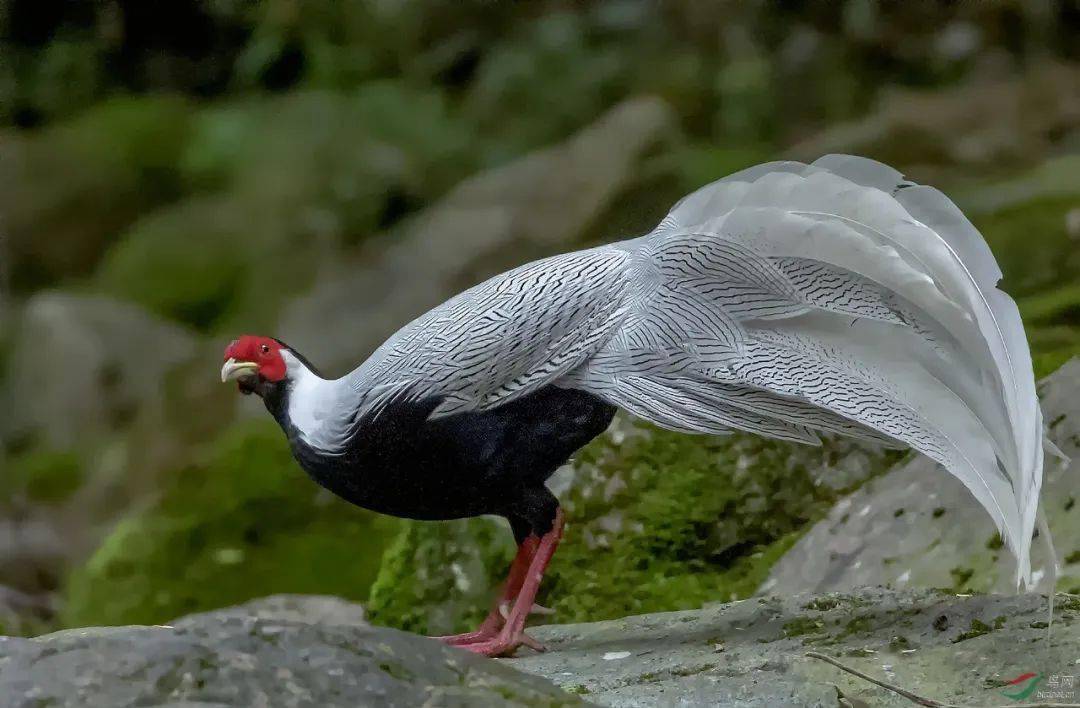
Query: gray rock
column 311, row 609
column 960, row 650
column 281, row 652
column 918, row 526
column 83, row 365
column 918, row 127
column 532, row 207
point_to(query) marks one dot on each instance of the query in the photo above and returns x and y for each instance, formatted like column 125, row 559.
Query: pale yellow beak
column 234, row 369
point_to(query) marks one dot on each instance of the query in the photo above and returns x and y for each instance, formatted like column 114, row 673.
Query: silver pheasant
column 787, row 300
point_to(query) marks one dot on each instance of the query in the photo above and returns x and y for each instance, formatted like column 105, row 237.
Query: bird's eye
column 265, row 349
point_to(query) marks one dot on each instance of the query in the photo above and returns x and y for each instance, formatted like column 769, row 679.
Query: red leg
column 512, row 635
column 514, row 579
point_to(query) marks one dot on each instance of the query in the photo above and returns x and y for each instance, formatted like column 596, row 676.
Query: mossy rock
column 656, row 521
column 242, row 523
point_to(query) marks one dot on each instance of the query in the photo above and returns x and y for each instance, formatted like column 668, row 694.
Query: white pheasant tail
column 785, row 300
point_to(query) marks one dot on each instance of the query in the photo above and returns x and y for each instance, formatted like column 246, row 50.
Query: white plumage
column 785, row 300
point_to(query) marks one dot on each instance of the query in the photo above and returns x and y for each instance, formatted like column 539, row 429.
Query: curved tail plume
column 791, row 299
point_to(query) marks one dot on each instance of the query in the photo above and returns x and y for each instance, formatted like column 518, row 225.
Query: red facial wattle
column 263, row 352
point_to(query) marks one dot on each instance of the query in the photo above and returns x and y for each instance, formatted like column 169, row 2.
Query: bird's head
column 255, row 363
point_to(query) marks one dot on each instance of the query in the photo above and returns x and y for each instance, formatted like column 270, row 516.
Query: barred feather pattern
column 786, row 300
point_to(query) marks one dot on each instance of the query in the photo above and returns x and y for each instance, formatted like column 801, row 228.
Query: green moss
column 242, row 523
column 803, row 625
column 438, row 577
column 899, row 643
column 1053, row 266
column 1052, row 346
column 1068, row 602
column 42, row 476
column 960, row 576
column 978, row 628
column 863, row 624
column 656, row 521
column 823, row 604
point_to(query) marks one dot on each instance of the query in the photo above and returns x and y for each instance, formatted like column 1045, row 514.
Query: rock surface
column 320, row 651
column 85, row 365
column 281, row 652
column 918, row 526
column 953, row 649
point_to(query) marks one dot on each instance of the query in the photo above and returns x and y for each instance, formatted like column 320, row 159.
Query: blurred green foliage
column 69, row 189
column 42, row 476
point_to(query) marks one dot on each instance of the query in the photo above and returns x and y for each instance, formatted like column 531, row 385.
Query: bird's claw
column 458, row 640
column 504, row 644
column 532, row 643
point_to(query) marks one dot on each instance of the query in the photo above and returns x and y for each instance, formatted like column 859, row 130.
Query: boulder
column 309, row 609
column 917, row 526
column 85, row 365
column 535, row 206
column 297, row 652
column 955, row 649
column 319, row 651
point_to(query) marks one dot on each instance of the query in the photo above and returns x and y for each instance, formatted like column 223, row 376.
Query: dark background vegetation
column 175, row 173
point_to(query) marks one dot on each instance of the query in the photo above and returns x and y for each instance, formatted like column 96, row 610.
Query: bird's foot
column 491, row 627
column 504, row 643
column 508, row 622
column 487, row 629
column 457, row 640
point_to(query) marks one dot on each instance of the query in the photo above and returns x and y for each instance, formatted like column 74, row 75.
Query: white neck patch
column 319, row 408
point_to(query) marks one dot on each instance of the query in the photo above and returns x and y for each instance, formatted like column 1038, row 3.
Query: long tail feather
column 850, row 301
